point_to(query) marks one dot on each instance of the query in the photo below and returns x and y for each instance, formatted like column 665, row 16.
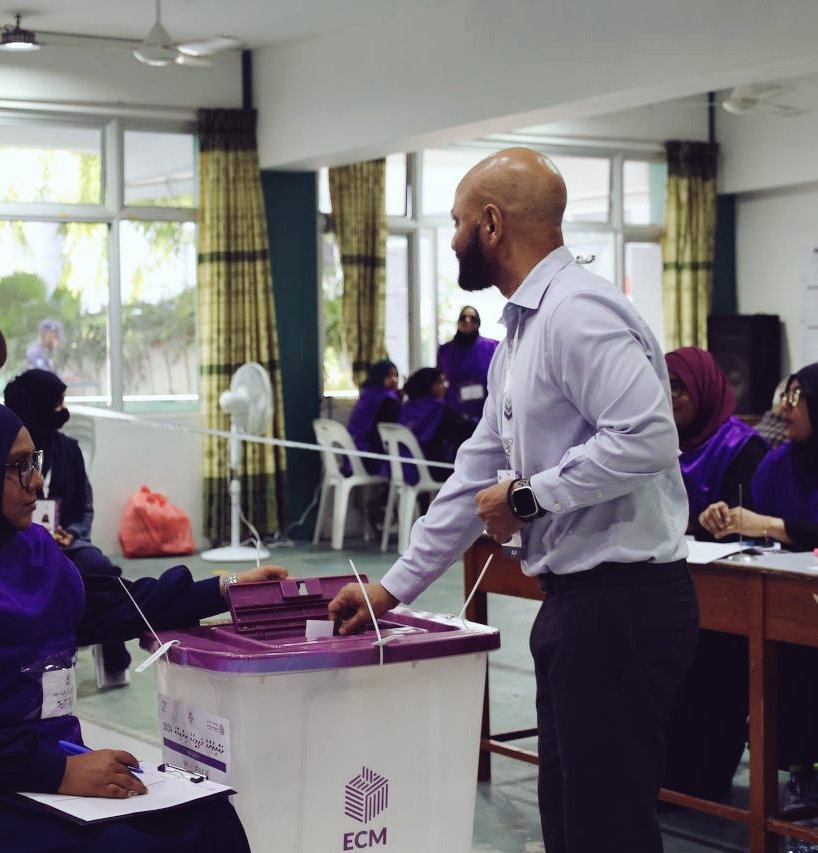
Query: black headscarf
column 466, row 339
column 806, row 452
column 420, row 383
column 378, row 373
column 10, row 426
column 33, row 396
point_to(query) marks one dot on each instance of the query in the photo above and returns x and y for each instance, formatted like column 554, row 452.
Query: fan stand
column 235, row 552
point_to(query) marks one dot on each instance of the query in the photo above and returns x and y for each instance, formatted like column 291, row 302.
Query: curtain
column 688, row 244
column 236, row 316
column 359, row 219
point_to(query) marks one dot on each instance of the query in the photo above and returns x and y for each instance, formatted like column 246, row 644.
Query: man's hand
column 493, row 508
column 349, row 607
column 263, row 573
column 101, row 773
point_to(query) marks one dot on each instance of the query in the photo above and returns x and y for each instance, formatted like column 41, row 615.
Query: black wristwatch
column 522, row 501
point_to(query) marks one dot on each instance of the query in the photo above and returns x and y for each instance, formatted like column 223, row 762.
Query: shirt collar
column 530, row 293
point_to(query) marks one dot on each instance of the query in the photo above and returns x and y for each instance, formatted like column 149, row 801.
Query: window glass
column 324, row 201
column 644, row 192
column 54, row 302
column 643, row 283
column 451, row 298
column 597, row 247
column 50, row 164
column 337, row 369
column 442, row 172
column 428, row 296
column 158, row 263
column 159, row 169
column 396, row 328
column 396, row 185
column 588, row 181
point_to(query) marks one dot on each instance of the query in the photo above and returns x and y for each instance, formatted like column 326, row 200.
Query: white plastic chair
column 396, row 437
column 84, row 429
column 329, row 434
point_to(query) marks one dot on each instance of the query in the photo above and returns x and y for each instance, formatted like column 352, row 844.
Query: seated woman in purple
column 439, row 429
column 720, row 453
column 706, row 734
column 378, row 402
column 465, row 362
column 785, row 508
column 47, row 609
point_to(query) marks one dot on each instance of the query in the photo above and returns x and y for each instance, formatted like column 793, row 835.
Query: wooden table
column 765, row 601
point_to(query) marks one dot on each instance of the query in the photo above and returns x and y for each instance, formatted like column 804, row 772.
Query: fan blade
column 208, row 47
column 783, row 109
column 193, row 61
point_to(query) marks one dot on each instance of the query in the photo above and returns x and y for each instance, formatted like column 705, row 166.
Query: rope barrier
column 107, row 414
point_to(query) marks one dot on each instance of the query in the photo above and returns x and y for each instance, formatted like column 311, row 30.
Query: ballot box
column 335, row 743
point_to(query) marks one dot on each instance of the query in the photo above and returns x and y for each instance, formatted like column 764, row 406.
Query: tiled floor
column 506, row 818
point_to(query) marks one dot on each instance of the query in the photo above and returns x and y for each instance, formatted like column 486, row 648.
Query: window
column 98, row 259
column 613, row 221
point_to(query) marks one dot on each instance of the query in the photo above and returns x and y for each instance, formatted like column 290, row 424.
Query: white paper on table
column 707, row 552
column 166, row 790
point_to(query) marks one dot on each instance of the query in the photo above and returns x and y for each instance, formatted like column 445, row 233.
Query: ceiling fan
column 760, row 97
column 158, row 48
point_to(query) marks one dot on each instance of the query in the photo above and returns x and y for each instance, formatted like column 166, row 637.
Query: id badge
column 45, row 514
column 59, row 692
column 514, row 548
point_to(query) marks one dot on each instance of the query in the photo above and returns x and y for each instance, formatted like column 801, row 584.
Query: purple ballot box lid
column 268, row 633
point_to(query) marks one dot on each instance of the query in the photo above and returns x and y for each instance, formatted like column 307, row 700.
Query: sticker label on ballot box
column 195, row 739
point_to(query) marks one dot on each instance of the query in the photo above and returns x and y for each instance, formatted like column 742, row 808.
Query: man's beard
column 475, row 270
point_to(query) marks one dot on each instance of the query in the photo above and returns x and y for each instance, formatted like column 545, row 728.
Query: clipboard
column 169, row 788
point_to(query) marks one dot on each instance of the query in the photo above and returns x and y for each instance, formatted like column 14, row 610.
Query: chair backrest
column 83, row 428
column 400, row 441
column 330, row 433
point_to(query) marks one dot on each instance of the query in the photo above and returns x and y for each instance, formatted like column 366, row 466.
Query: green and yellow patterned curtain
column 236, row 315
column 689, row 240
column 359, row 219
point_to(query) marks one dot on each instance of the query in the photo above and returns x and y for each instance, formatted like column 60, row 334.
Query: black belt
column 614, row 574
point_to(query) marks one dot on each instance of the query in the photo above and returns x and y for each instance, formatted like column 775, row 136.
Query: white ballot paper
column 166, row 790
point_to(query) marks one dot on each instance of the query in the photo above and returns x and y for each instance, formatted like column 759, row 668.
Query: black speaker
column 748, row 349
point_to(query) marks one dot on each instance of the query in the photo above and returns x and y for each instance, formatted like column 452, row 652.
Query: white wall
column 772, row 230
column 129, row 455
column 455, row 71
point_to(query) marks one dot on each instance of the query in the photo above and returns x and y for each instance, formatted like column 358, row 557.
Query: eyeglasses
column 27, row 467
column 467, row 318
column 791, row 398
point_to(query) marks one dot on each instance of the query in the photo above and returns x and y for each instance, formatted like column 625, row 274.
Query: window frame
column 111, row 211
column 415, row 223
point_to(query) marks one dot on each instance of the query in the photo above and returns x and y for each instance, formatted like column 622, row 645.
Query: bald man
column 573, row 465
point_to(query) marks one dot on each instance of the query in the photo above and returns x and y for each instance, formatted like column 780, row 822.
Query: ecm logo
column 365, row 797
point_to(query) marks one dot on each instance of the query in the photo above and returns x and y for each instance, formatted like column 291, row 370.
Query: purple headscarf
column 708, row 389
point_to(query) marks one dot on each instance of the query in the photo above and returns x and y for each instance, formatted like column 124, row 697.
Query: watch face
column 525, row 504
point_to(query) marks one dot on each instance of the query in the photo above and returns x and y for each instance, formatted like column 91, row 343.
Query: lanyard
column 507, row 412
column 46, row 483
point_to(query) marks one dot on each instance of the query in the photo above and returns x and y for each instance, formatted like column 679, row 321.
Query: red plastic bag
column 152, row 527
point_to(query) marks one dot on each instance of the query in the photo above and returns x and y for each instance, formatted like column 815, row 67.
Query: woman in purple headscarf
column 707, row 733
column 785, row 486
column 465, row 362
column 378, row 402
column 439, row 428
column 720, row 453
column 46, row 611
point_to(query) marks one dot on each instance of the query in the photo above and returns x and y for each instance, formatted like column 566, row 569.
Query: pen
column 78, row 749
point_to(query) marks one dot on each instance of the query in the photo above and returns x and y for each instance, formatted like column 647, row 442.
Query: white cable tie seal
column 380, row 641
column 470, row 596
column 163, row 647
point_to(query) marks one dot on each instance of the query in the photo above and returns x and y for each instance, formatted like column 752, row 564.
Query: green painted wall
column 291, row 202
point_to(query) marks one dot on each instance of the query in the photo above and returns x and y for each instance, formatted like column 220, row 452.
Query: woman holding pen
column 46, row 611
